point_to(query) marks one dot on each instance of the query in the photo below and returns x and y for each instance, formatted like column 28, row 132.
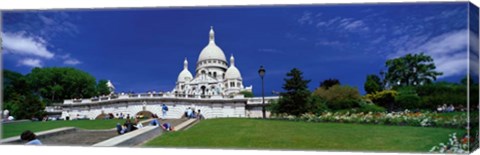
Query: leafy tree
column 18, row 97
column 373, row 84
column 339, row 97
column 410, row 70
column 247, row 93
column 102, row 87
column 56, row 84
column 294, row 100
column 329, row 83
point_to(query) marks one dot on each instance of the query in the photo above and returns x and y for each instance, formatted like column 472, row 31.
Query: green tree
column 410, row 70
column 294, row 100
column 329, row 83
column 373, row 84
column 102, row 87
column 56, row 84
column 19, row 99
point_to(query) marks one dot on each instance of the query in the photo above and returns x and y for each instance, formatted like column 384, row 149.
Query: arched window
column 202, row 72
column 209, row 73
column 215, row 74
column 232, row 84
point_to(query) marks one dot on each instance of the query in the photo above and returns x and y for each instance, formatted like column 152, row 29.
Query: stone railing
column 150, row 95
column 258, row 100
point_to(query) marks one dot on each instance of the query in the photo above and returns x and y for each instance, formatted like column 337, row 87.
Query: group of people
column 446, row 108
column 128, row 126
column 165, row 126
column 190, row 113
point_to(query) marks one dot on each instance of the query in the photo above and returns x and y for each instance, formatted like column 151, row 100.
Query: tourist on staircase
column 164, row 111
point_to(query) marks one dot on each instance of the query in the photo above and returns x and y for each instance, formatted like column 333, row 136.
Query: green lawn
column 277, row 134
column 15, row 129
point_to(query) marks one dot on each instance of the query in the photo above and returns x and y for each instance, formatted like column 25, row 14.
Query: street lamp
column 261, row 72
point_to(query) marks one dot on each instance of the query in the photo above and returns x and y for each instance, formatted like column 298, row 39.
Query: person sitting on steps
column 30, row 137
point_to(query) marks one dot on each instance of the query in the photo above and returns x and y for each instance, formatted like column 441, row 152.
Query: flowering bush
column 426, row 119
column 454, row 145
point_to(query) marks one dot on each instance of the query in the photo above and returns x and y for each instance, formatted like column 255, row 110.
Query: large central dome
column 212, row 51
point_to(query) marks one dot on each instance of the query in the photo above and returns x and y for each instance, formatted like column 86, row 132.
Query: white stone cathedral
column 213, row 78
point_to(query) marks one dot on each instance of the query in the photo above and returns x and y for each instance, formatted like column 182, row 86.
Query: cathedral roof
column 212, row 51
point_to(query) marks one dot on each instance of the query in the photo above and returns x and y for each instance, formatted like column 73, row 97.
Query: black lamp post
column 261, row 72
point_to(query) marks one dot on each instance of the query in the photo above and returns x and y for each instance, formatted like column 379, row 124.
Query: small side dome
column 232, row 71
column 184, row 75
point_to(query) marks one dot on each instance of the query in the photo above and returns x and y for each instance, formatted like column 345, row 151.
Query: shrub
column 369, row 107
column 435, row 94
column 318, row 105
column 339, row 97
column 407, row 98
column 383, row 98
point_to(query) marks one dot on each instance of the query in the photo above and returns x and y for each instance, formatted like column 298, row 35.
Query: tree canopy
column 411, row 70
column 55, row 84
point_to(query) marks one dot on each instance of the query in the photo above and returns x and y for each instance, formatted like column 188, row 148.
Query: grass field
column 276, row 134
column 15, row 129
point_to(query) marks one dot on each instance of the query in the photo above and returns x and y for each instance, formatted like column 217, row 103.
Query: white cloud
column 449, row 50
column 348, row 24
column 31, row 62
column 354, row 25
column 307, row 18
column 19, row 43
column 71, row 62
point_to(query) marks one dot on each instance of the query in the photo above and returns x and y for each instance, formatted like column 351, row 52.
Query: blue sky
column 143, row 49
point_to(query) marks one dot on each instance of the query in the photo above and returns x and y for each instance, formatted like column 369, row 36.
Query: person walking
column 164, row 111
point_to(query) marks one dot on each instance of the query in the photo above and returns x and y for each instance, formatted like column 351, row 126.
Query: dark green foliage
column 55, row 84
column 370, row 107
column 373, row 84
column 18, row 97
column 102, row 88
column 385, row 98
column 407, row 98
column 294, row 100
column 436, row 94
column 410, row 70
column 339, row 97
column 247, row 93
column 318, row 105
column 329, row 83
